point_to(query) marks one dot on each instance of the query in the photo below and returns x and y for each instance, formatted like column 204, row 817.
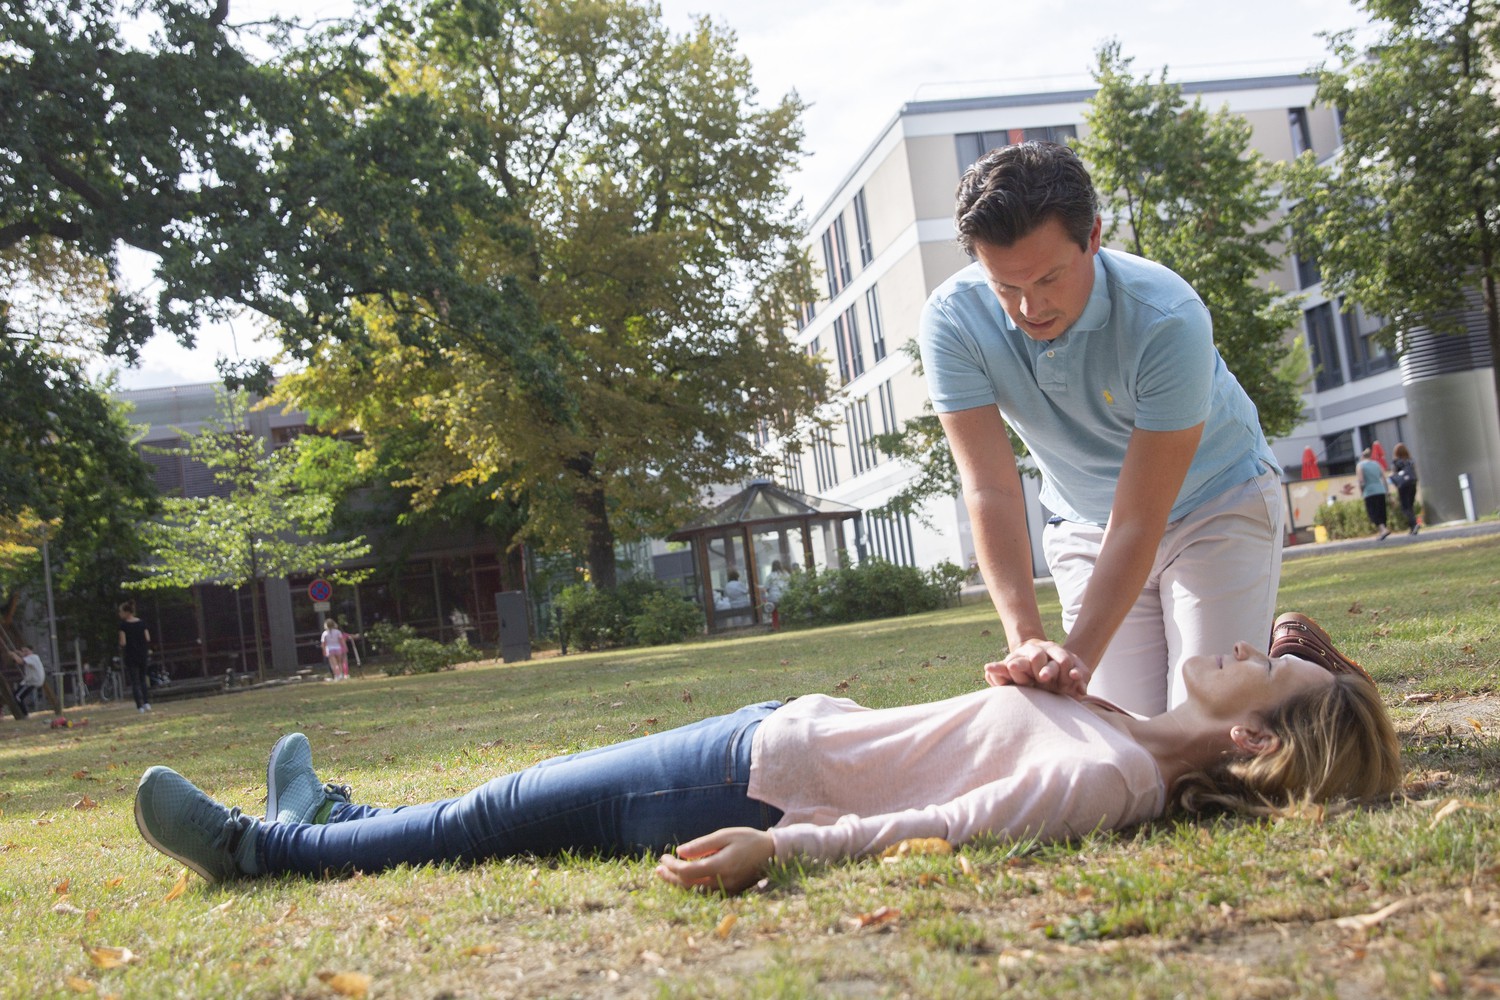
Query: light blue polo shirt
column 1141, row 355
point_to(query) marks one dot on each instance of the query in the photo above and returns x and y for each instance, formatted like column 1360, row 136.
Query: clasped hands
column 1044, row 664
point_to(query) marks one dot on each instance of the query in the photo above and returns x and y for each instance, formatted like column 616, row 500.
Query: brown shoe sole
column 1296, row 634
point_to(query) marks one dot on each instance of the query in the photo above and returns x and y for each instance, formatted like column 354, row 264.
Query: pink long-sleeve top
column 1007, row 761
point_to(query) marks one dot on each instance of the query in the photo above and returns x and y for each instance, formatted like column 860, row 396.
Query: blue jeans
column 640, row 796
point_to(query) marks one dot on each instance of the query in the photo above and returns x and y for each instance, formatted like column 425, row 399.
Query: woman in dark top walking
column 135, row 641
column 1404, row 477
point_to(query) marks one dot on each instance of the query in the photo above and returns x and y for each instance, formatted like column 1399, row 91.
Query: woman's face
column 1247, row 680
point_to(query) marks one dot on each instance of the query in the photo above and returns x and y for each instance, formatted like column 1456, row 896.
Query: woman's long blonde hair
column 1336, row 743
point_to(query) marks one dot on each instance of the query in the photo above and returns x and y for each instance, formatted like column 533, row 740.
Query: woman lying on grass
column 822, row 778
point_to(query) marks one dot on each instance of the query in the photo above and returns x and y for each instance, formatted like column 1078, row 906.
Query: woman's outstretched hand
column 731, row 860
column 1043, row 664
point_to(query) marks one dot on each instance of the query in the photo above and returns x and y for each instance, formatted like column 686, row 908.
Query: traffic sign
column 319, row 590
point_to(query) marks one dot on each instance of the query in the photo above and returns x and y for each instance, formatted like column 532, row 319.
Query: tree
column 1407, row 219
column 660, row 246
column 264, row 526
column 297, row 187
column 69, row 479
column 1182, row 187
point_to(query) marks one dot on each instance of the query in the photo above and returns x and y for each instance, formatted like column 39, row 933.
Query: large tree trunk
column 600, row 537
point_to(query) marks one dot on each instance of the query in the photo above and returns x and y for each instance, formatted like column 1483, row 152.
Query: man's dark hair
column 1011, row 191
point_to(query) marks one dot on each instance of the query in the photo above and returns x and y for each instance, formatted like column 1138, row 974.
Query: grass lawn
column 1398, row 901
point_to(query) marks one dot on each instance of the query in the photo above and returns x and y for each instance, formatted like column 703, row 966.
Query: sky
column 857, row 63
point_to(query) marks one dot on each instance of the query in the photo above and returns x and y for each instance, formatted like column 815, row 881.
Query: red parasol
column 1310, row 468
column 1377, row 452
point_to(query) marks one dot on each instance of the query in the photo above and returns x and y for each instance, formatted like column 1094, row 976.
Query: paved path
column 1454, row 529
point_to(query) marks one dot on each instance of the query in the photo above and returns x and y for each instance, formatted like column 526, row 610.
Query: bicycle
column 111, row 686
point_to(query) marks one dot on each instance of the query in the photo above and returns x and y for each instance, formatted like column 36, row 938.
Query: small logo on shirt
column 1109, row 397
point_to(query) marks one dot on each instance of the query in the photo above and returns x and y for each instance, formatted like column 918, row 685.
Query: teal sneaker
column 180, row 821
column 293, row 792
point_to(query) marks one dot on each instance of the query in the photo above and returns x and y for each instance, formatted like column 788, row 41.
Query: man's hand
column 1042, row 664
column 730, row 860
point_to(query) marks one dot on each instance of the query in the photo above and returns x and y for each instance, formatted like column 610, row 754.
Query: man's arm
column 1156, row 463
column 997, row 513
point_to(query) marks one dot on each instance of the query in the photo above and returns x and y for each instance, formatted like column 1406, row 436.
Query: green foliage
column 650, row 187
column 404, row 652
column 873, row 588
column 1403, row 223
column 948, row 579
column 640, row 610
column 1183, row 187
column 666, row 618
column 1347, row 518
column 69, row 477
column 590, row 617
column 285, row 186
column 262, row 525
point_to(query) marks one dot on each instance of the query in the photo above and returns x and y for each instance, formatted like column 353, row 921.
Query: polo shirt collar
column 1096, row 313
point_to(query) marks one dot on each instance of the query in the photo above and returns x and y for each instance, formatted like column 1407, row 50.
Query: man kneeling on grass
column 822, row 778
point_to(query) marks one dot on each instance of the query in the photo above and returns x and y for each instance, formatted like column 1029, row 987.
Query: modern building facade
column 885, row 239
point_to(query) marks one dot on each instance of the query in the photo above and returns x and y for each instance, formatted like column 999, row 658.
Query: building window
column 887, row 399
column 1308, row 273
column 1322, row 341
column 1301, row 134
column 858, row 427
column 836, row 257
column 791, row 470
column 851, row 356
column 1338, row 453
column 973, row 145
column 877, row 327
column 862, row 230
column 825, row 466
column 1367, row 355
column 805, row 314
column 890, row 538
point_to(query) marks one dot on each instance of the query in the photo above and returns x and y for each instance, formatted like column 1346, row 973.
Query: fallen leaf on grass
column 341, row 732
column 687, row 697
column 85, row 803
column 1447, row 809
column 917, row 845
column 80, row 775
column 1419, row 696
column 79, row 985
column 179, row 888
column 61, row 888
column 1367, row 920
column 65, row 908
column 108, row 957
column 347, row 984
column 725, row 926
column 876, row 918
column 482, row 949
column 1478, row 726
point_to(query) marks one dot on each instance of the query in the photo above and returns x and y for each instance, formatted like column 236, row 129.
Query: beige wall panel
column 934, row 175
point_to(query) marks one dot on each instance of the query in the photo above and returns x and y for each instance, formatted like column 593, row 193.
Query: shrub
column 948, row 579
column 1347, row 518
column 873, row 589
column 408, row 653
column 665, row 618
column 590, row 618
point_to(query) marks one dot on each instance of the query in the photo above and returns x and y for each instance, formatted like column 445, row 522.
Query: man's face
column 1043, row 280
